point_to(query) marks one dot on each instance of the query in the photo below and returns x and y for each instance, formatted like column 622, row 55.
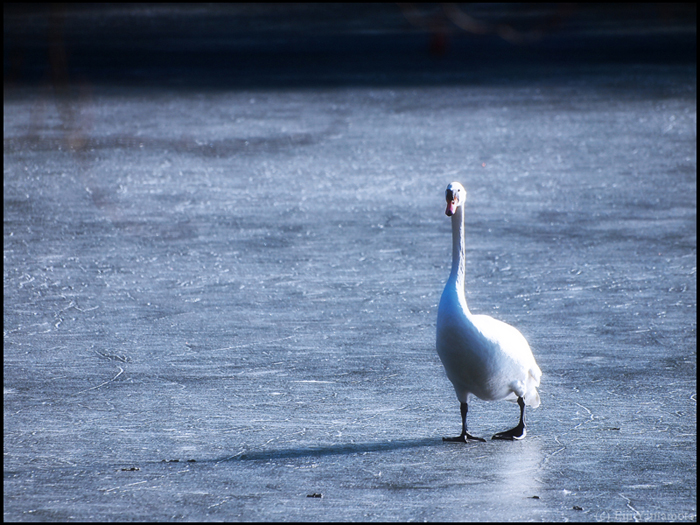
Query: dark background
column 244, row 45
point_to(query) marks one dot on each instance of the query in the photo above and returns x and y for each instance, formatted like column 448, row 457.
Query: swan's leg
column 519, row 431
column 465, row 436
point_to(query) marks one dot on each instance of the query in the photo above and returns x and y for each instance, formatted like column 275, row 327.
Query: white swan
column 481, row 355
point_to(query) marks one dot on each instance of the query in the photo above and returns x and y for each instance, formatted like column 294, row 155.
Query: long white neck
column 458, row 252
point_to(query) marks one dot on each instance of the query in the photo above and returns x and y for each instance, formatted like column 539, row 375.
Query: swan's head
column 455, row 195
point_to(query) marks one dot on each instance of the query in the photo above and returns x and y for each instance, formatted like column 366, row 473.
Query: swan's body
column 481, row 355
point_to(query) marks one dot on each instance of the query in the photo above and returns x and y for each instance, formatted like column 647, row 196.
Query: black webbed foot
column 463, row 438
column 516, row 433
column 519, row 431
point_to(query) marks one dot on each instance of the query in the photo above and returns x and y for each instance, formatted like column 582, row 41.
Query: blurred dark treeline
column 311, row 44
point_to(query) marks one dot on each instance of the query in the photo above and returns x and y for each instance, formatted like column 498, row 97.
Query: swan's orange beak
column 451, row 207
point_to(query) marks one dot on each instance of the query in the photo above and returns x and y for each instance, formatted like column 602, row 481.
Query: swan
column 482, row 356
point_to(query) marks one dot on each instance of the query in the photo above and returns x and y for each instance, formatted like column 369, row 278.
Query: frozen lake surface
column 219, row 303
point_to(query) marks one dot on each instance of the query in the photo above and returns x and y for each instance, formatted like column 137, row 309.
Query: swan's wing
column 514, row 348
column 509, row 340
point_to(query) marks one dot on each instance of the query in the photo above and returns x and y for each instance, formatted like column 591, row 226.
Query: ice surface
column 219, row 303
